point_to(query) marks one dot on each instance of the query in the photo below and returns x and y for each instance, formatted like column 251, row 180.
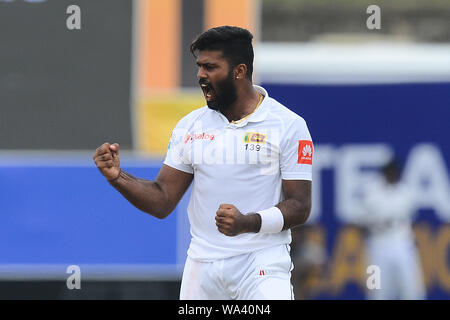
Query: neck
column 245, row 104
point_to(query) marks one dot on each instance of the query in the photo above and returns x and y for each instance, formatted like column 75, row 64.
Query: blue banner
column 355, row 129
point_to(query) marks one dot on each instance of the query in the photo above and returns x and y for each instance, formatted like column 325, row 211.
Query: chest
column 247, row 147
column 391, row 202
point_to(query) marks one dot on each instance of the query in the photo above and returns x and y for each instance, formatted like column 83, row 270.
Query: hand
column 230, row 221
column 107, row 159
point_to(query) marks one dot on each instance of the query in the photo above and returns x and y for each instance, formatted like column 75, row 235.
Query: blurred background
column 127, row 76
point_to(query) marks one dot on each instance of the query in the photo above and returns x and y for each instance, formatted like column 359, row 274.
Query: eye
column 207, row 66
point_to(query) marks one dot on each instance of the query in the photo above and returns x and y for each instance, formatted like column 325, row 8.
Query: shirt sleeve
column 177, row 156
column 296, row 152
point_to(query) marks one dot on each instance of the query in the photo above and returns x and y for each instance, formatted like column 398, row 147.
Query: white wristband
column 272, row 220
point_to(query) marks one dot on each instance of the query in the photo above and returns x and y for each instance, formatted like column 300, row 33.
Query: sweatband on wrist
column 272, row 220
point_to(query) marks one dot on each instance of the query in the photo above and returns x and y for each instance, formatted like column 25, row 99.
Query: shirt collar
column 259, row 115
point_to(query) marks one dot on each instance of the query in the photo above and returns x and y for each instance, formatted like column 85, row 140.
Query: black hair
column 392, row 168
column 234, row 42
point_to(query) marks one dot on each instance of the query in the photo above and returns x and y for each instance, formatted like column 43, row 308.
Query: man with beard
column 249, row 159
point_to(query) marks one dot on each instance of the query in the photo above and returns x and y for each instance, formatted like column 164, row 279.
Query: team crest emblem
column 254, row 137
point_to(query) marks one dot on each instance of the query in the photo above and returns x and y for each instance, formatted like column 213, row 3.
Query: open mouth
column 208, row 92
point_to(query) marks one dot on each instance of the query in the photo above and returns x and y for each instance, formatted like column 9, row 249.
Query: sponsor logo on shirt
column 305, row 152
column 198, row 136
column 254, row 137
column 264, row 272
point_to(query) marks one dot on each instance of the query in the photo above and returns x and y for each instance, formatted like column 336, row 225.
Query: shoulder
column 375, row 185
column 193, row 116
column 404, row 190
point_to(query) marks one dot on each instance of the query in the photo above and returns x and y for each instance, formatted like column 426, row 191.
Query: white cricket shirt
column 387, row 212
column 241, row 164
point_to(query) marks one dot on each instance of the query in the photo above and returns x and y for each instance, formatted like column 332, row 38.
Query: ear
column 240, row 71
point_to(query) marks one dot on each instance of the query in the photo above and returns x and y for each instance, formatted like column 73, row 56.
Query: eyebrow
column 211, row 64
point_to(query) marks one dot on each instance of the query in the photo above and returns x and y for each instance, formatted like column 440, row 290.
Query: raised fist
column 229, row 220
column 107, row 159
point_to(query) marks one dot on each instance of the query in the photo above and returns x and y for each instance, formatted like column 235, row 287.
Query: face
column 392, row 175
column 216, row 80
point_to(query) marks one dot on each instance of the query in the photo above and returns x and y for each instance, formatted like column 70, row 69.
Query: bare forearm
column 295, row 212
column 287, row 214
column 145, row 195
column 252, row 222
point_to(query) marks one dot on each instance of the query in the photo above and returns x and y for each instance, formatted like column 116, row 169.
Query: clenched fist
column 107, row 159
column 230, row 221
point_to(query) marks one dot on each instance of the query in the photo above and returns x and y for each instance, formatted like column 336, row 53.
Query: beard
column 223, row 95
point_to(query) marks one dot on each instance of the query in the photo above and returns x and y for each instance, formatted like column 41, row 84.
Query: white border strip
column 364, row 63
column 160, row 272
column 84, row 158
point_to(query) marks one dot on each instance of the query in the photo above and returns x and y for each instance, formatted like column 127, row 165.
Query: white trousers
column 261, row 275
column 401, row 272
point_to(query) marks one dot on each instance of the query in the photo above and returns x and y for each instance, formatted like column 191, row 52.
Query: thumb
column 115, row 151
column 114, row 147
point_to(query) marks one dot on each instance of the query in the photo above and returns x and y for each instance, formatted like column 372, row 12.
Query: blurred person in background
column 387, row 216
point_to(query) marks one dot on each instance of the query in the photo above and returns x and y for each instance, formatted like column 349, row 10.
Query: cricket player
column 249, row 159
column 387, row 215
